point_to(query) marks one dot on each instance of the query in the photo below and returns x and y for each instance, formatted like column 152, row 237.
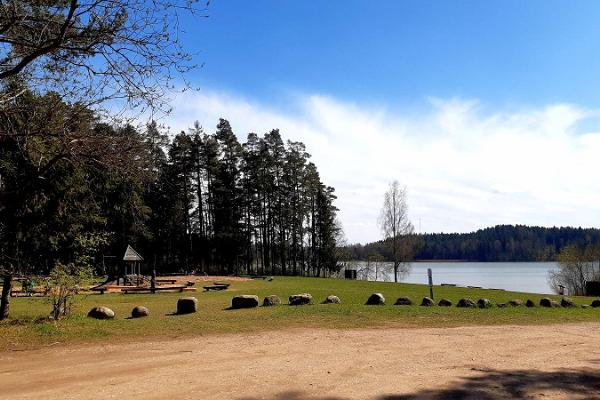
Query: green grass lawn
column 28, row 327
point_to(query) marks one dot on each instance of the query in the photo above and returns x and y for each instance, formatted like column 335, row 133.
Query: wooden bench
column 30, row 293
column 100, row 290
column 171, row 281
column 263, row 277
column 152, row 290
column 215, row 287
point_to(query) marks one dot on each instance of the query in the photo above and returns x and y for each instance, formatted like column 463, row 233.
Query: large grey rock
column 596, row 303
column 515, row 303
column 331, row 299
column 187, row 305
column 529, row 303
column 300, row 299
column 101, row 312
column 546, row 302
column 445, row 303
column 484, row 303
column 427, row 302
column 403, row 301
column 244, row 301
column 465, row 303
column 567, row 302
column 271, row 300
column 376, row 299
column 139, row 312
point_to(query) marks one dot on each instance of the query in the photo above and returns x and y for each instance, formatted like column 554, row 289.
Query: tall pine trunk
column 5, row 301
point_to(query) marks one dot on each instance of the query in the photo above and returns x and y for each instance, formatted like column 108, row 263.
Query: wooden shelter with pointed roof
column 132, row 255
column 133, row 258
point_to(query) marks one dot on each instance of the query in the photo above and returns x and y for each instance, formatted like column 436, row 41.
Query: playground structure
column 128, row 278
column 132, row 280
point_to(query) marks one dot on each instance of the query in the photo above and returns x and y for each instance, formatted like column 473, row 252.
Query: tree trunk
column 395, row 254
column 5, row 301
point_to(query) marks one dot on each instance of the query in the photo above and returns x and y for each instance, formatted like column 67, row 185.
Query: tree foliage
column 62, row 172
column 94, row 50
column 499, row 243
column 198, row 201
column 254, row 207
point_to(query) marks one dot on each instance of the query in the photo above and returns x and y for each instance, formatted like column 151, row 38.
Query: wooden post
column 429, row 275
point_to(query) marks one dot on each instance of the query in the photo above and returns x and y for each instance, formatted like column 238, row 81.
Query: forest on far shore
column 500, row 243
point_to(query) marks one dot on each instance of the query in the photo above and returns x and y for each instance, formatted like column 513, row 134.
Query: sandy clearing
column 549, row 362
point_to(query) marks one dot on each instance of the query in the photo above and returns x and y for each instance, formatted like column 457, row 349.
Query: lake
column 516, row 276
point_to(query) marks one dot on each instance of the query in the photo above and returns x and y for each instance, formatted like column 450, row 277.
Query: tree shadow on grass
column 494, row 385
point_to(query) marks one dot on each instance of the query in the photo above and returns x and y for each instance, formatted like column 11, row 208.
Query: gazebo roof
column 132, row 255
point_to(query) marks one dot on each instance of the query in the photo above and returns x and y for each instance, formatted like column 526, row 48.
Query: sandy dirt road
column 546, row 362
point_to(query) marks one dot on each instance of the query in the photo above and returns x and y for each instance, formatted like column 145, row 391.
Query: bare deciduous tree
column 576, row 267
column 95, row 50
column 397, row 229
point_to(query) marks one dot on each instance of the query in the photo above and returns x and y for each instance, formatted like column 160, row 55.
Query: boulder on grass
column 445, row 303
column 567, row 302
column 244, row 301
column 484, row 303
column 515, row 303
column 331, row 299
column 596, row 303
column 187, row 305
column 403, row 301
column 427, row 302
column 465, row 303
column 549, row 303
column 271, row 300
column 376, row 299
column 139, row 312
column 101, row 312
column 300, row 299
column 529, row 303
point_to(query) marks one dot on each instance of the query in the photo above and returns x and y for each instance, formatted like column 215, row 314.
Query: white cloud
column 465, row 168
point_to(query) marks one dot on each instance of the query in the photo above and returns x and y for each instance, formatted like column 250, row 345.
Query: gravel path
column 496, row 362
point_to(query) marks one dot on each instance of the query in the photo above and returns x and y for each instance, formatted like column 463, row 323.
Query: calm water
column 521, row 277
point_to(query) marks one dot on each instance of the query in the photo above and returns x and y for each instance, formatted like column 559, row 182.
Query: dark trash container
column 350, row 274
column 592, row 288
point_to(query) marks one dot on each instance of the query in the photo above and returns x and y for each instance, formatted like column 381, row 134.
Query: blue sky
column 487, row 111
column 504, row 52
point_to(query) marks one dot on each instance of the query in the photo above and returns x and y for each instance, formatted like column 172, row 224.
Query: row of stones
column 378, row 299
column 189, row 305
column 250, row 301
